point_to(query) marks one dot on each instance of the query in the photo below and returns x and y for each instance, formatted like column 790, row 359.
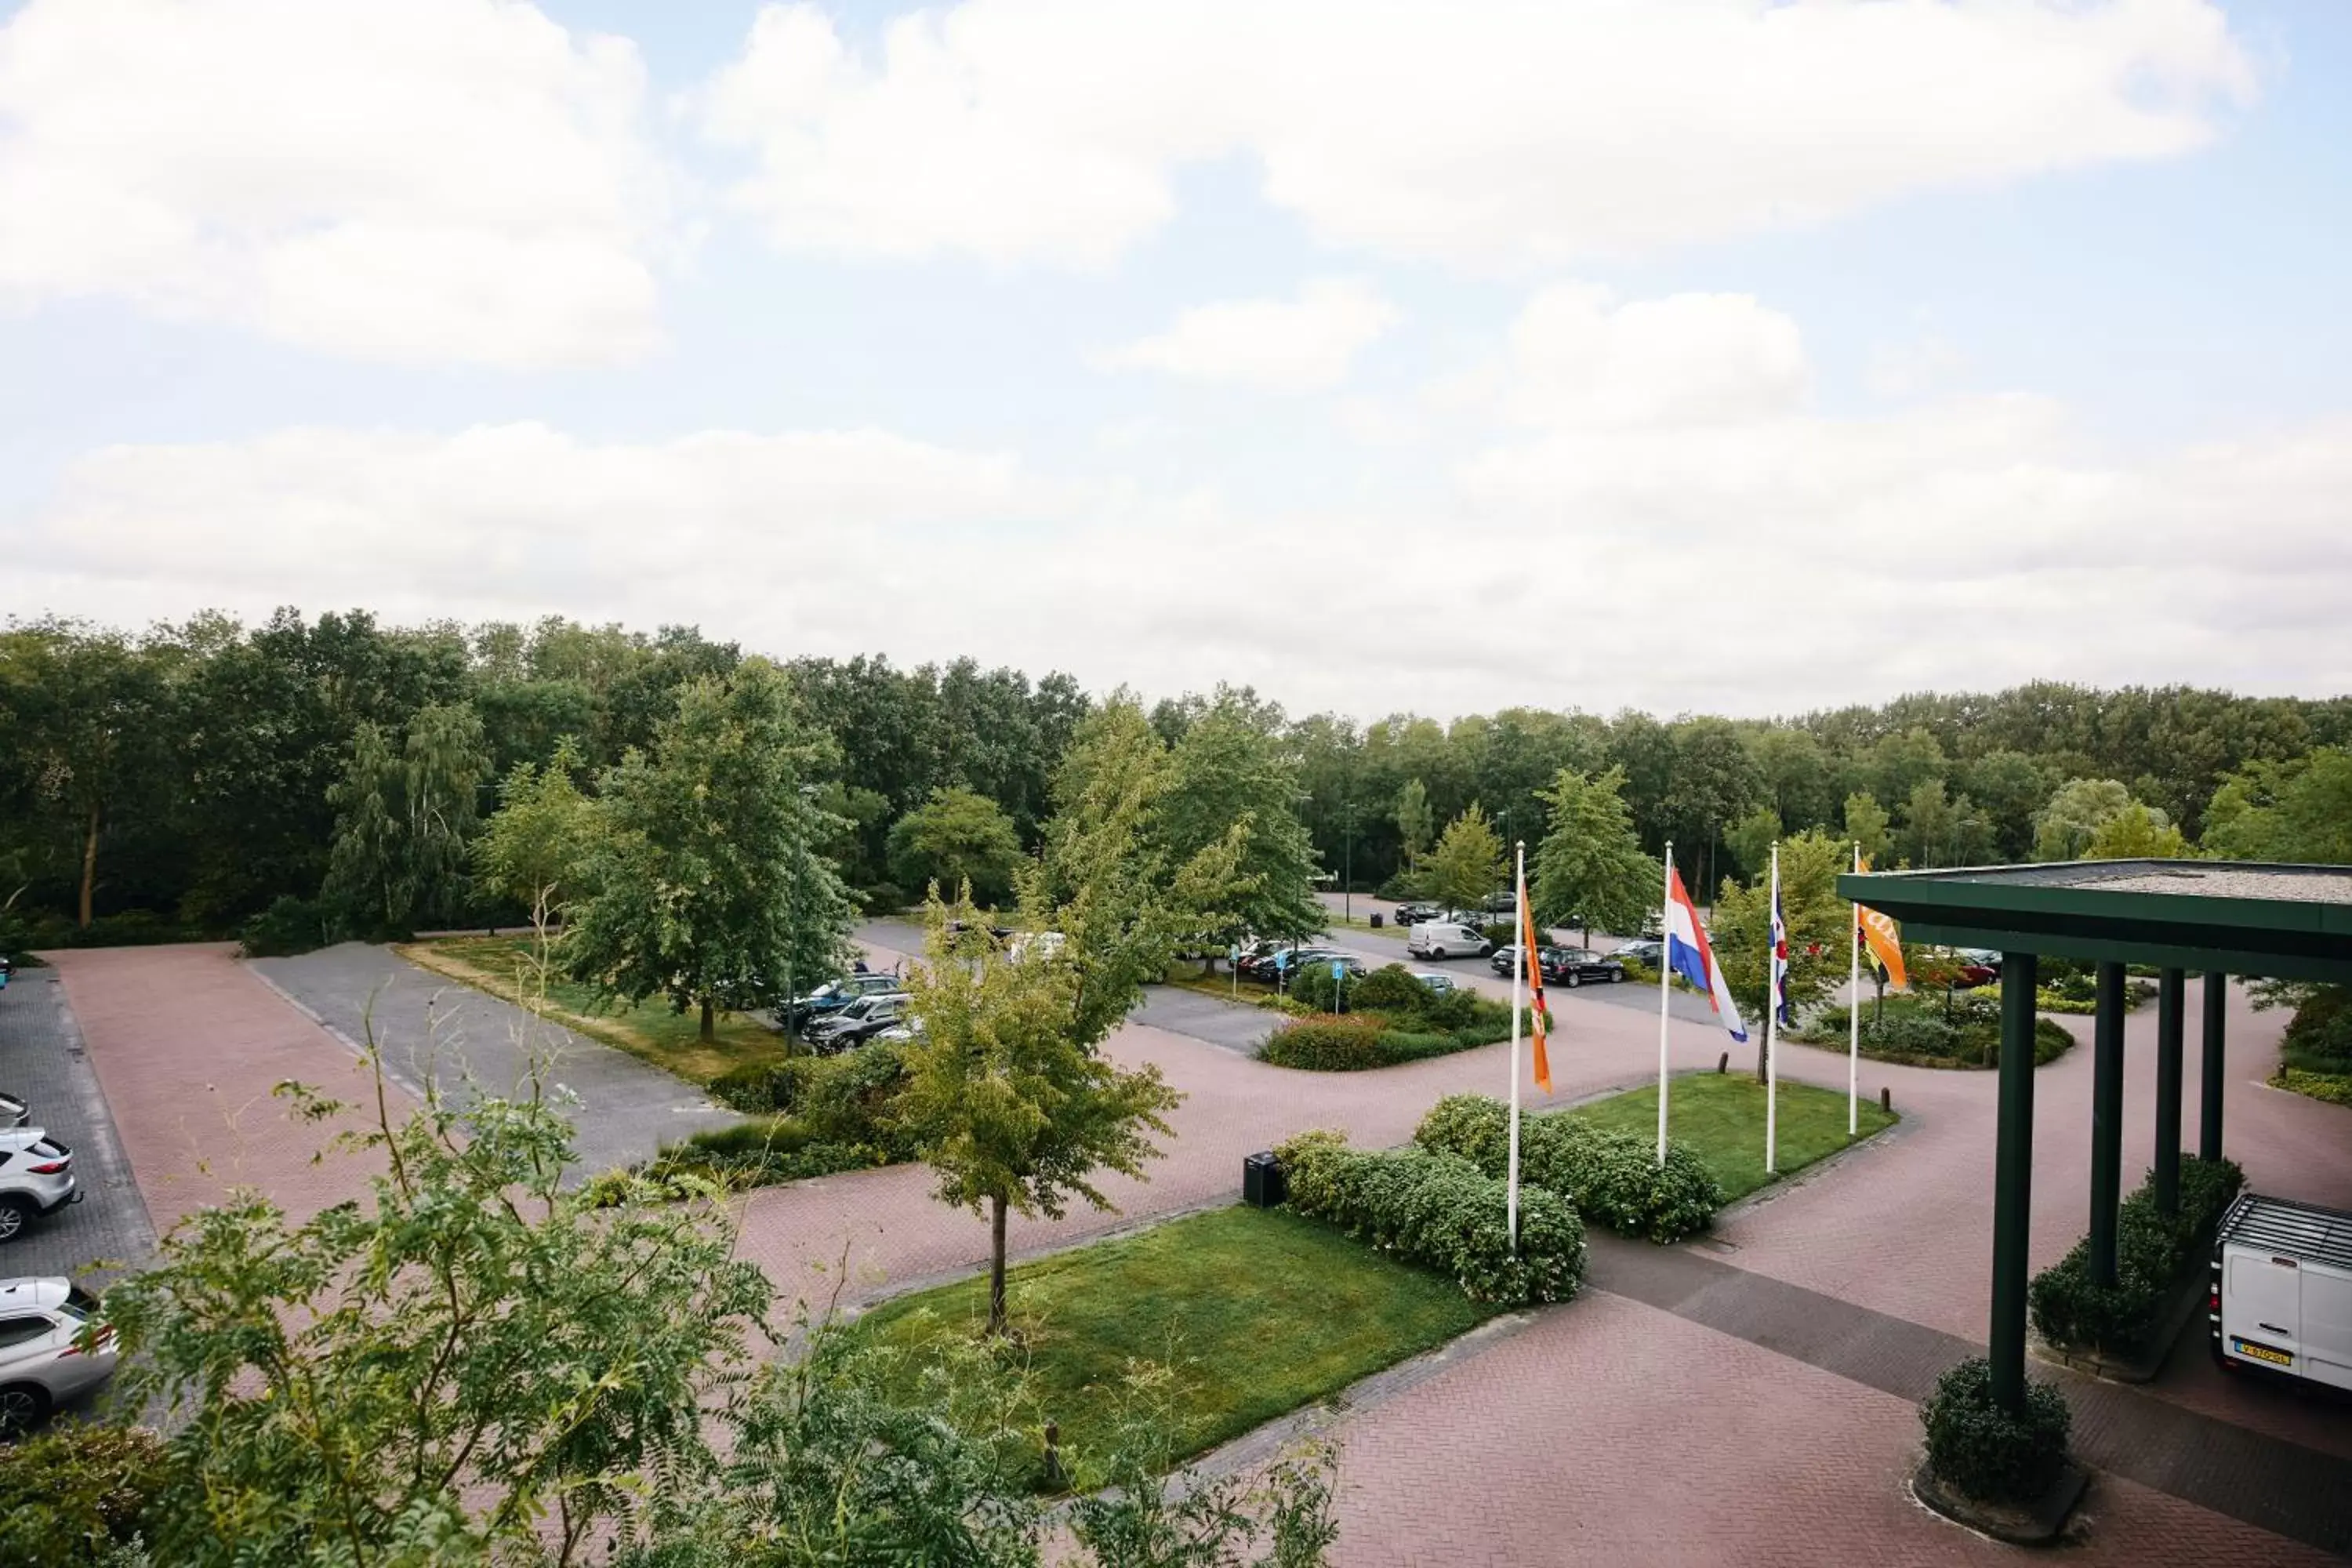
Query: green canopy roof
column 2228, row 917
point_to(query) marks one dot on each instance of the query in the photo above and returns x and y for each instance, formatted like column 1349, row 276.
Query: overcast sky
column 1718, row 355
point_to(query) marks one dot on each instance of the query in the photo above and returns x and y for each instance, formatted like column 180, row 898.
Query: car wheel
column 1574, row 980
column 1615, row 975
column 23, row 1407
column 14, row 1215
column 1437, row 952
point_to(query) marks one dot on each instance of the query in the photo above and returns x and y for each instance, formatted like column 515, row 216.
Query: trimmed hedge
column 1354, row 1042
column 1443, row 1213
column 1915, row 1030
column 1611, row 1176
column 1978, row 1447
column 2152, row 1252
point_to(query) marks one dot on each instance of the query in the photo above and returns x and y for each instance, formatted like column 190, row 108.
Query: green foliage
column 1925, row 1030
column 1328, row 1043
column 2297, row 810
column 1415, row 826
column 1741, row 930
column 2321, row 1027
column 1232, row 768
column 536, row 846
column 708, row 887
column 1865, row 824
column 1983, row 1449
column 290, row 925
column 1590, row 866
column 1937, row 831
column 1442, row 1212
column 2137, row 832
column 2070, row 820
column 2334, row 1088
column 1468, row 863
column 817, row 1115
column 2153, row 1253
column 957, row 838
column 404, row 818
column 73, row 1495
column 1610, row 1177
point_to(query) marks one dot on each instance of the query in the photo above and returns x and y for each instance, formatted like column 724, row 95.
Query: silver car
column 53, row 1347
column 36, row 1178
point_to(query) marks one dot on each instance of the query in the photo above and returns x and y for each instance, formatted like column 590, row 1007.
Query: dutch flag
column 1688, row 954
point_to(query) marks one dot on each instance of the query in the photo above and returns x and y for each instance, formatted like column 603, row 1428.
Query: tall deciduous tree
column 1468, row 864
column 1415, row 826
column 536, row 844
column 1230, row 769
column 2065, row 827
column 957, row 838
column 404, row 820
column 1741, row 932
column 1865, row 824
column 708, row 886
column 1589, row 866
column 2296, row 811
column 2137, row 832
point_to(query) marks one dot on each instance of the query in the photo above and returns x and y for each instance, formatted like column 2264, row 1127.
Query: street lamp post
column 1347, row 863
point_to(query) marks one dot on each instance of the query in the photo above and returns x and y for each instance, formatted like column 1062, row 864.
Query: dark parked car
column 1647, row 950
column 1574, row 966
column 857, row 1023
column 832, row 996
column 1281, row 968
column 1505, row 903
column 1420, row 913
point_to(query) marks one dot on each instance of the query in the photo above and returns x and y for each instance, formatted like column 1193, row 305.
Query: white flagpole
column 1665, row 970
column 1772, row 1028
column 1518, row 967
column 1854, row 1015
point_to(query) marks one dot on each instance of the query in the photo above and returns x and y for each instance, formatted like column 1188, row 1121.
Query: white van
column 1441, row 939
column 2282, row 1298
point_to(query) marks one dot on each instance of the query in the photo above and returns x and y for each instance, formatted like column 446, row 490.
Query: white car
column 1441, row 941
column 36, row 1178
column 53, row 1346
column 14, row 1110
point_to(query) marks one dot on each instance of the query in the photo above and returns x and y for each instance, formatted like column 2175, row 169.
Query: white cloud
column 1518, row 133
column 1574, row 357
column 1299, row 345
column 402, row 180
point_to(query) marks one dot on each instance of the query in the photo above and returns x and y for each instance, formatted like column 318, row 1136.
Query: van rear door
column 2261, row 1308
column 2326, row 1325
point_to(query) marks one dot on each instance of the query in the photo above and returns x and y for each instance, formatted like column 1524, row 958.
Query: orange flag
column 1882, row 936
column 1538, row 1016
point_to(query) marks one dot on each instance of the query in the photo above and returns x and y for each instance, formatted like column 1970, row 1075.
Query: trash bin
column 1375, row 919
column 1263, row 1181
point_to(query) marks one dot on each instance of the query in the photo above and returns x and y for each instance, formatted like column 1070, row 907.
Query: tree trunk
column 709, row 1020
column 89, row 865
column 996, row 1266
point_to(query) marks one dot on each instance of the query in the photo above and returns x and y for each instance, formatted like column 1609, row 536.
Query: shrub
column 1978, row 1447
column 756, row 1088
column 2334, row 1088
column 1916, row 1029
column 1443, row 1213
column 70, row 1494
column 1392, row 989
column 1327, row 1043
column 2321, row 1029
column 1611, row 1176
column 288, row 926
column 2152, row 1252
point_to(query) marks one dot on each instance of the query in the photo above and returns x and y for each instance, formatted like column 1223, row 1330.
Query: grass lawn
column 1256, row 1312
column 503, row 965
column 1721, row 1116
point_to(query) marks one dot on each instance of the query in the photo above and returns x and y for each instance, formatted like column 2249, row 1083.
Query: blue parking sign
column 1338, row 969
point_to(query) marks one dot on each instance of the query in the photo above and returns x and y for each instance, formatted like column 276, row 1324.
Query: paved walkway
column 433, row 1030
column 1749, row 1400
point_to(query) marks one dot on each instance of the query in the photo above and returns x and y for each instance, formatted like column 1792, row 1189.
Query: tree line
column 186, row 777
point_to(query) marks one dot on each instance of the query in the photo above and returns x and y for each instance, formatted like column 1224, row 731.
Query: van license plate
column 2261, row 1353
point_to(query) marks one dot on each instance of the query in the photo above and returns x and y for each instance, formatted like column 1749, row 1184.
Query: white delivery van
column 2281, row 1296
column 1441, row 939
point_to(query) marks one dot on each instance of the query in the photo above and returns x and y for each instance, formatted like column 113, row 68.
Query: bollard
column 1886, row 1100
column 1723, row 1064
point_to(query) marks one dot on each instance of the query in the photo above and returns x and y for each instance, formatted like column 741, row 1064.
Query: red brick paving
column 188, row 1045
column 1610, row 1432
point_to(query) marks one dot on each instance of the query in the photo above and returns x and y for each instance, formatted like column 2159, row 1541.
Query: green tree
column 1751, row 838
column 2298, row 811
column 956, row 838
column 366, row 876
column 1898, row 764
column 1865, row 824
column 535, row 847
column 1943, row 832
column 1741, row 932
column 1006, row 1098
column 441, row 774
column 2065, row 827
column 708, row 886
column 1415, row 827
column 1230, row 769
column 2010, row 787
column 1590, row 868
column 2137, row 832
column 1467, row 864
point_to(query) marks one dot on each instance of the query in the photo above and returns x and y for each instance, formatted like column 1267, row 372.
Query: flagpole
column 1665, row 969
column 1854, row 1015
column 1772, row 1026
column 1518, row 967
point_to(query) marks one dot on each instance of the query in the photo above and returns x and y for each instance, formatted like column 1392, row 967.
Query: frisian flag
column 1688, row 955
column 1531, row 962
column 1780, row 954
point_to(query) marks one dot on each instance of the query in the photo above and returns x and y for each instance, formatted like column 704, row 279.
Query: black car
column 831, row 997
column 1574, row 966
column 1420, row 913
column 1645, row 951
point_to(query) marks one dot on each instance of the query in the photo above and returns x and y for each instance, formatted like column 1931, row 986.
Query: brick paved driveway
column 1611, row 1431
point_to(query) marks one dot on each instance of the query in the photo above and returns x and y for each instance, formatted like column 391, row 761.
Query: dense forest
column 181, row 779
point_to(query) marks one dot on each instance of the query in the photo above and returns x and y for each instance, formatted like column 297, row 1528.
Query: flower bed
column 1441, row 1212
column 2153, row 1253
column 1610, row 1177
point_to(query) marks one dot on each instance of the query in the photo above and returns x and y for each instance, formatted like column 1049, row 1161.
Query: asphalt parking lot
column 43, row 1060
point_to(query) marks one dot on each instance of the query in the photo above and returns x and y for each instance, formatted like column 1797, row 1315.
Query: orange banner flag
column 1882, row 936
column 1538, row 1016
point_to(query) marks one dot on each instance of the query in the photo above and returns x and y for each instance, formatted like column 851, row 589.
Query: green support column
column 2169, row 986
column 2013, row 1198
column 2106, row 1121
column 2208, row 1112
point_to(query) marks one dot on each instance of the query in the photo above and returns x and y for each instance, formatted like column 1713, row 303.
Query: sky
column 1723, row 356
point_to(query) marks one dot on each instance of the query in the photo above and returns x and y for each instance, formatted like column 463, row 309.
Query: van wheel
column 13, row 1217
column 1437, row 952
column 23, row 1407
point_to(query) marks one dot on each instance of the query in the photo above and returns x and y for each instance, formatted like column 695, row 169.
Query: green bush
column 2152, row 1252
column 71, row 1495
column 2321, row 1029
column 1393, row 994
column 2334, row 1088
column 1611, row 1176
column 1440, row 1212
column 1980, row 1448
column 1327, row 1043
column 288, row 926
column 1934, row 1030
column 756, row 1088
